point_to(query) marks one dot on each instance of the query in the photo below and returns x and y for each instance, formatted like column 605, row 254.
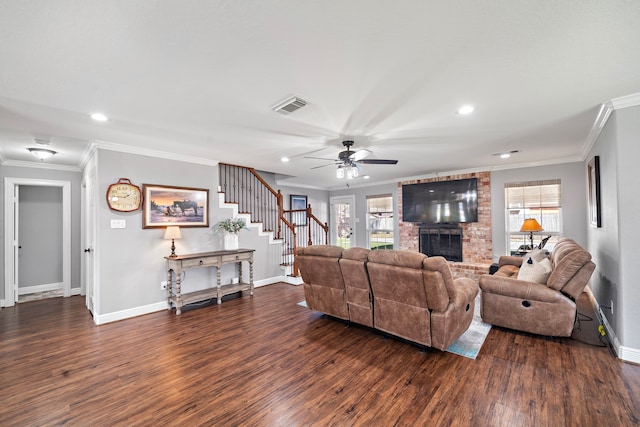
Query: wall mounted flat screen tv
column 441, row 202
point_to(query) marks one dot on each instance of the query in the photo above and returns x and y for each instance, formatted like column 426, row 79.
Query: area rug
column 469, row 343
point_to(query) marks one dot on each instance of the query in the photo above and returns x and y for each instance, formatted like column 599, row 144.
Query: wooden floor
column 266, row 361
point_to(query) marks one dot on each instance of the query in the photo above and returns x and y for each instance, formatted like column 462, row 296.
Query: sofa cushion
column 397, row 258
column 536, row 271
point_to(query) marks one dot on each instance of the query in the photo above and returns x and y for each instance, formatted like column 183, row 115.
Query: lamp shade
column 530, row 224
column 172, row 232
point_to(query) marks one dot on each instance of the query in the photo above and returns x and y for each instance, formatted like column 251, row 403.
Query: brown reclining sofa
column 547, row 308
column 403, row 293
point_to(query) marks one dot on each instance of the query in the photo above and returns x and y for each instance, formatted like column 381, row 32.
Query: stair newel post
column 326, row 233
column 280, row 213
column 309, row 226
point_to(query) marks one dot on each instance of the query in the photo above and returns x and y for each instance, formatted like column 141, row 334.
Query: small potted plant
column 231, row 227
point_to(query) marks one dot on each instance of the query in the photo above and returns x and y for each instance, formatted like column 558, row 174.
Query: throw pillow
column 536, row 255
column 536, row 271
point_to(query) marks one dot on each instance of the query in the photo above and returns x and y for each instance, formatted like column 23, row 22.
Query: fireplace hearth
column 445, row 241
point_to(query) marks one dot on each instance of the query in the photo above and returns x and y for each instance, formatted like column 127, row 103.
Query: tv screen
column 441, row 202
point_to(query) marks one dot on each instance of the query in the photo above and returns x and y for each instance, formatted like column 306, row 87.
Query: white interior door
column 88, row 241
column 16, row 242
column 342, row 226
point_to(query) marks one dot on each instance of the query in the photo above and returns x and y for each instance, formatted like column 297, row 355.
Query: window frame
column 548, row 214
column 389, row 240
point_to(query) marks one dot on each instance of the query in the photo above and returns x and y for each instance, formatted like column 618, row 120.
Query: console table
column 177, row 264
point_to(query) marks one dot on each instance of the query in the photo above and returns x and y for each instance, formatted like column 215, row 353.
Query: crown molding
column 111, row 146
column 601, row 120
column 41, row 165
column 604, row 113
column 3, row 157
column 632, row 100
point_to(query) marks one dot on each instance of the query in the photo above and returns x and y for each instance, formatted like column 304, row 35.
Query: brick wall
column 476, row 236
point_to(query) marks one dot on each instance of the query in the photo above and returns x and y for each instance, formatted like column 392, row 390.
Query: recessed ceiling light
column 366, row 177
column 505, row 154
column 465, row 109
column 99, row 117
column 284, row 159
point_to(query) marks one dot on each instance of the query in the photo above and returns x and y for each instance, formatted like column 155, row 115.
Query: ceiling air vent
column 289, row 105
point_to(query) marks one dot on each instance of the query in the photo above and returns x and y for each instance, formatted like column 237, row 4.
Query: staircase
column 255, row 197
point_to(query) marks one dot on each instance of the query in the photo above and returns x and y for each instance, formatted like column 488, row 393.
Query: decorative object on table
column 230, row 227
column 172, row 232
column 180, row 206
column 299, row 205
column 123, row 196
column 593, row 171
column 531, row 225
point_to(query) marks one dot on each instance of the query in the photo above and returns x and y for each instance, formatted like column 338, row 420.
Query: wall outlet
column 163, row 285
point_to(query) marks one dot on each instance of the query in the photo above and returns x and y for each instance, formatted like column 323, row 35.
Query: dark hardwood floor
column 266, row 361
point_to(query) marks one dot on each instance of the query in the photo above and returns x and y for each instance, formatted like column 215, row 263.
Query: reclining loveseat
column 543, row 307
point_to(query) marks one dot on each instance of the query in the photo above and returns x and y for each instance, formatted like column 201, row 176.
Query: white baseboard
column 287, row 279
column 624, row 353
column 39, row 288
column 131, row 312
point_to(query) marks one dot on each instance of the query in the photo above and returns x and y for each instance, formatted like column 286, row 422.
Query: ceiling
column 199, row 78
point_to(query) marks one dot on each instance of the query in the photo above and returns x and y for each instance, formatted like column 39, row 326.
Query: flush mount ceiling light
column 41, row 153
column 466, row 109
column 99, row 117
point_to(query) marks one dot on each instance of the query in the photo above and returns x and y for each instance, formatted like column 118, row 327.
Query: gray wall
column 361, row 194
column 574, row 200
column 131, row 260
column 49, row 174
column 614, row 246
column 40, row 233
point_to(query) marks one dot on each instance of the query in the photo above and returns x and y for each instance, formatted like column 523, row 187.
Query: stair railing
column 253, row 195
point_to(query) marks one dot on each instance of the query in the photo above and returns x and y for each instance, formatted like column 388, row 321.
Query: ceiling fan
column 349, row 161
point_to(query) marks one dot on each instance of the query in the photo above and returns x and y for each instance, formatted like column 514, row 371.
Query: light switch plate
column 118, row 223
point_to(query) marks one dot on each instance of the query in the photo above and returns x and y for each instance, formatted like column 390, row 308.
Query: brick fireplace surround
column 477, row 251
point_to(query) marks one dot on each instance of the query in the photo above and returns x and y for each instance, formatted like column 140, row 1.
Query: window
column 536, row 199
column 380, row 221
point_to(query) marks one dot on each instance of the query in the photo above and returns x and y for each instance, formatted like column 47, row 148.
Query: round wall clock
column 123, row 196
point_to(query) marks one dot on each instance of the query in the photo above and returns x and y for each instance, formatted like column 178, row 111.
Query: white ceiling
column 198, row 78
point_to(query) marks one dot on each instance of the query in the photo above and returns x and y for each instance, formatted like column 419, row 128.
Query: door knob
column 87, row 250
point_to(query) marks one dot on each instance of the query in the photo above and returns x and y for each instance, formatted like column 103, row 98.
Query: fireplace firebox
column 445, row 241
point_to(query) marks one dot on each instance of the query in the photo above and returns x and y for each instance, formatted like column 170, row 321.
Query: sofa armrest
column 519, row 289
column 510, row 260
column 466, row 291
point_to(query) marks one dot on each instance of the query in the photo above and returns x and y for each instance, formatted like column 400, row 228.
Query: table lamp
column 172, row 232
column 531, row 225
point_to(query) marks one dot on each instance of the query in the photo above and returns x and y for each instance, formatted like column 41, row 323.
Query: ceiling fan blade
column 319, row 158
column 378, row 162
column 359, row 155
column 322, row 166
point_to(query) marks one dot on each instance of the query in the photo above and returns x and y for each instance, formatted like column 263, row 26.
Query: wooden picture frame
column 182, row 206
column 593, row 174
column 298, row 203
